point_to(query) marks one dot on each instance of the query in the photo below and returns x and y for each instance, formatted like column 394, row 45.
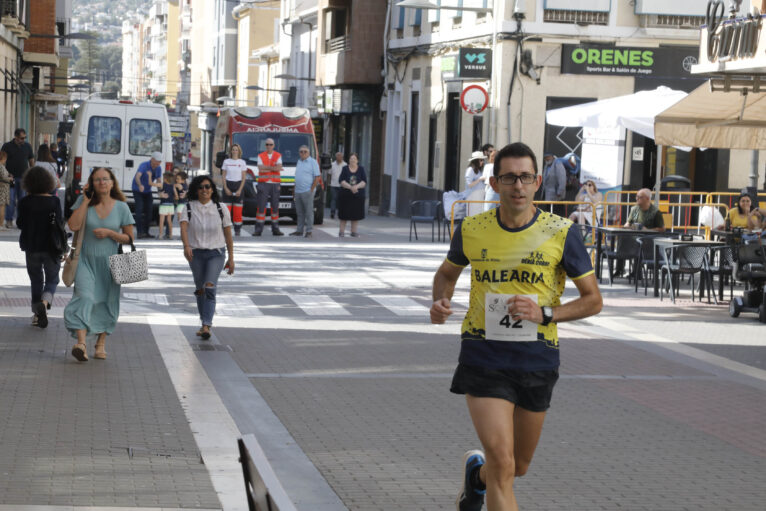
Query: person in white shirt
column 489, row 193
column 206, row 235
column 46, row 160
column 335, row 170
column 474, row 190
column 233, row 177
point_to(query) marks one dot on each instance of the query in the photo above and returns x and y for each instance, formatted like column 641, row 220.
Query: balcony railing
column 341, row 43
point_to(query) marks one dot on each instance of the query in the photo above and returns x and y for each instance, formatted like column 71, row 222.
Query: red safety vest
column 269, row 176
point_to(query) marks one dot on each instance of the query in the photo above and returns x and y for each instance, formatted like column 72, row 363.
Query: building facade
column 14, row 96
column 520, row 59
column 349, row 76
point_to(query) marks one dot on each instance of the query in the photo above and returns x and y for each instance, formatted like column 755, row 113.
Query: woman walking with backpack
column 206, row 236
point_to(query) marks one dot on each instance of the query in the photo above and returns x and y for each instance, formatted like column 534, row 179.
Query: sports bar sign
column 594, row 59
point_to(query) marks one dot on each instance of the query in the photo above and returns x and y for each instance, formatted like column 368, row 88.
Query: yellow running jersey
column 531, row 260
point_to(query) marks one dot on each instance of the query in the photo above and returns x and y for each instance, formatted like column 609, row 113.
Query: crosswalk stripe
column 234, row 305
column 401, row 305
column 319, row 305
column 158, row 298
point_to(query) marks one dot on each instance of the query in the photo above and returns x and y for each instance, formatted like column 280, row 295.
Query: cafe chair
column 425, row 212
column 683, row 261
column 750, row 268
column 721, row 263
column 627, row 250
column 645, row 261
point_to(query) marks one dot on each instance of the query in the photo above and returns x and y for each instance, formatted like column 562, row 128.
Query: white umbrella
column 635, row 112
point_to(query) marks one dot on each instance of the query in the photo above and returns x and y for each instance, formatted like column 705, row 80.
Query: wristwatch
column 547, row 315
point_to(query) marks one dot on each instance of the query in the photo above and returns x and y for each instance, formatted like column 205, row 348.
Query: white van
column 120, row 135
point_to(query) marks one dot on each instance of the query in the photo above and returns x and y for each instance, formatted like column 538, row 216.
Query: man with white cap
column 149, row 174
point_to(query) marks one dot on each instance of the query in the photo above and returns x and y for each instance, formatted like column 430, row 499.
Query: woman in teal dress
column 107, row 221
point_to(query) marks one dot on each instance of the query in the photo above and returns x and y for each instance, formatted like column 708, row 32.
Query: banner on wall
column 603, row 157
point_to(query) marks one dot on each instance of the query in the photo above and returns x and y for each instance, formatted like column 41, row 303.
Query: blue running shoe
column 470, row 499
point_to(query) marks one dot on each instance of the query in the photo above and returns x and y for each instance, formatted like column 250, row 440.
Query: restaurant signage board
column 592, row 59
column 735, row 45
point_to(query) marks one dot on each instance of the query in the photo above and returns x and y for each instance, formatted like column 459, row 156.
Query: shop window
column 432, row 132
column 478, row 133
column 414, row 118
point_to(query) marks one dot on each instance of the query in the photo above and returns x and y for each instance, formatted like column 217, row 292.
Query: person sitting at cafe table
column 743, row 215
column 643, row 216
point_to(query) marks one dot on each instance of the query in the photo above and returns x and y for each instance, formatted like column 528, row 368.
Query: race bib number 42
column 500, row 326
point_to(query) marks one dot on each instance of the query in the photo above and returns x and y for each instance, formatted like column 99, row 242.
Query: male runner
column 520, row 257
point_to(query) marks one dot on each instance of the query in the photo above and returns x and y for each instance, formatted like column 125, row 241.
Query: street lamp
column 258, row 87
column 287, row 76
column 424, row 4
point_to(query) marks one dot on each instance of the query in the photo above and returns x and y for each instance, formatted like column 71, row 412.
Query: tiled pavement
column 661, row 425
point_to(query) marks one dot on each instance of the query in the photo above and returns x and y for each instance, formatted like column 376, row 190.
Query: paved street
column 324, row 351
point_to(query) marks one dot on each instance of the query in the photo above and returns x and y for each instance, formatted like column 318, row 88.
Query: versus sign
column 475, row 63
column 611, row 60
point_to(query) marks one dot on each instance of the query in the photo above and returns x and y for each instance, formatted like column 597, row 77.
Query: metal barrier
column 716, row 197
column 594, row 218
column 264, row 491
column 681, row 216
column 604, row 220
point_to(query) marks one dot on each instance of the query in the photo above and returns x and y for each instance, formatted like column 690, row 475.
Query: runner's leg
column 509, row 436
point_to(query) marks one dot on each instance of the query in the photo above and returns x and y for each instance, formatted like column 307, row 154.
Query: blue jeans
column 43, row 272
column 206, row 266
column 144, row 203
column 17, row 193
column 334, row 190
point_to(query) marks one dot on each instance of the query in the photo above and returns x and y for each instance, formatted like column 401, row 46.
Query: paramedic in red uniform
column 269, row 167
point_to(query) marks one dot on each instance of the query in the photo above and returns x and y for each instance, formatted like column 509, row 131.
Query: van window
column 286, row 144
column 145, row 136
column 104, row 135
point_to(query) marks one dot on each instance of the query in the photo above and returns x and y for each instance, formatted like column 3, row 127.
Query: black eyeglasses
column 206, row 186
column 269, row 144
column 510, row 179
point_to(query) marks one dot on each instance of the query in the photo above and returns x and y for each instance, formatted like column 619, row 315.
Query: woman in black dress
column 353, row 181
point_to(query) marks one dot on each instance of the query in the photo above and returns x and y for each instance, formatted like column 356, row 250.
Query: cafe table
column 662, row 243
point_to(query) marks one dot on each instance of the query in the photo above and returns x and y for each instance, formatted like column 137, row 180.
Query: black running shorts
column 531, row 390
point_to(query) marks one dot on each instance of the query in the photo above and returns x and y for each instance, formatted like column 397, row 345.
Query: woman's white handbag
column 130, row 266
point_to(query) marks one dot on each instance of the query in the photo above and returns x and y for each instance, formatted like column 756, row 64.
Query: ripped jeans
column 206, row 266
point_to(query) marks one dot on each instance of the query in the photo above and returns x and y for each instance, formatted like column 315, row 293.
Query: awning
column 50, row 97
column 728, row 120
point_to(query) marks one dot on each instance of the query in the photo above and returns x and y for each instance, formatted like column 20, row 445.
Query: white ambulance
column 120, row 135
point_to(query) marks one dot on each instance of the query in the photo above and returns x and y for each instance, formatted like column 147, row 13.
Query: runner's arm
column 588, row 304
column 443, row 289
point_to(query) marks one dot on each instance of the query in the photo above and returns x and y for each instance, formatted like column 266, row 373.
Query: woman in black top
column 353, row 181
column 34, row 220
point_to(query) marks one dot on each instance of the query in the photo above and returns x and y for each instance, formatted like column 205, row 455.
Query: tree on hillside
column 110, row 62
column 89, row 55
